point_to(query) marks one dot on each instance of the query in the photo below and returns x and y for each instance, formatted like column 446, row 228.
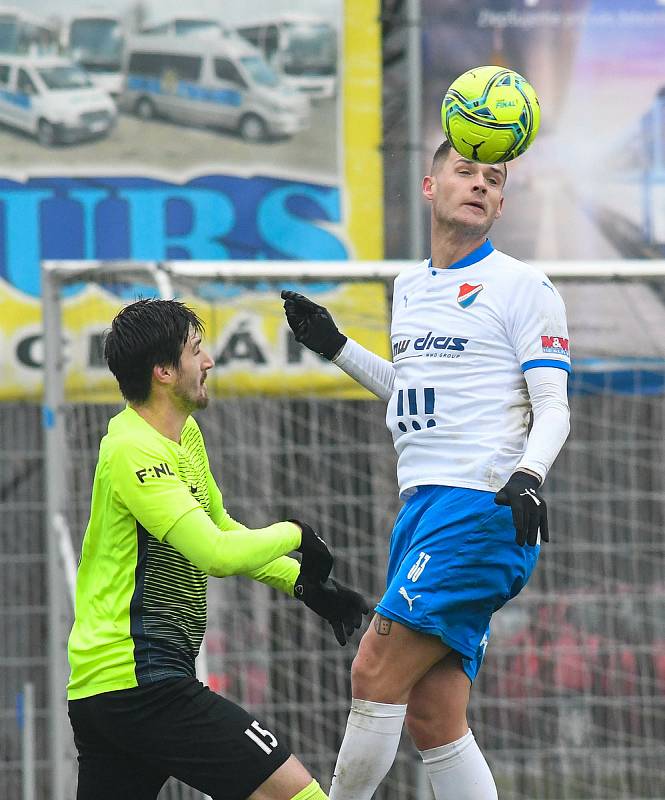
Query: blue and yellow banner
column 291, row 169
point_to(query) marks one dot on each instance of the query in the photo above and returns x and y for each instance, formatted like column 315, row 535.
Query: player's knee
column 369, row 677
column 363, row 672
column 311, row 792
column 430, row 724
column 373, row 679
column 290, row 781
column 419, row 720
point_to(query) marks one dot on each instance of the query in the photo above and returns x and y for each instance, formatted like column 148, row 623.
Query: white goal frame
column 164, row 275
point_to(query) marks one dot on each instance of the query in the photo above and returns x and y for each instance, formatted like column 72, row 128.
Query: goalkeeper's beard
column 189, row 398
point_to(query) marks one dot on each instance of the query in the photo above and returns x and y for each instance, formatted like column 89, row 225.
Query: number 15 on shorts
column 262, row 737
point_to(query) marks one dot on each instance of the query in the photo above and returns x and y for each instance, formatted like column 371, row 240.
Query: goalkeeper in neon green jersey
column 157, row 529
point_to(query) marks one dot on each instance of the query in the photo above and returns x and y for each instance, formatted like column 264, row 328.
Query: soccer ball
column 490, row 114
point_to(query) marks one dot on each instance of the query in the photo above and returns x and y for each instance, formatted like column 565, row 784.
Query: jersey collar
column 472, row 258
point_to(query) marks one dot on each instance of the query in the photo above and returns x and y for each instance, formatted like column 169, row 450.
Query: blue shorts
column 454, row 562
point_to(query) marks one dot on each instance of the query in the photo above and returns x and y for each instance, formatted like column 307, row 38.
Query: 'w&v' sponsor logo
column 555, row 344
column 468, row 293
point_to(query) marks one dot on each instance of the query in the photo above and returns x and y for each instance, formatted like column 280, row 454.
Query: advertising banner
column 140, row 133
column 592, row 186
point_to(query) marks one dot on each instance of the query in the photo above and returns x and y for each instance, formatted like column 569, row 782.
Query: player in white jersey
column 480, row 346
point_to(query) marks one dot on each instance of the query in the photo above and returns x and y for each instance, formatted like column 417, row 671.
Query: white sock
column 458, row 771
column 370, row 743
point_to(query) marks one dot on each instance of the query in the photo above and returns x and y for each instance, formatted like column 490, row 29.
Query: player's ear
column 499, row 208
column 163, row 374
column 428, row 186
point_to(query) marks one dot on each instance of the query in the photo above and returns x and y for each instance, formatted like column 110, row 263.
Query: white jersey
column 462, row 338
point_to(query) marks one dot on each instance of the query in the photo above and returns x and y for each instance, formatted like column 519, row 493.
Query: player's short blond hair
column 443, row 151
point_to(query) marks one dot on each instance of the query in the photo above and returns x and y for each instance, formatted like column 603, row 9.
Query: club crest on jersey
column 468, row 293
column 555, row 344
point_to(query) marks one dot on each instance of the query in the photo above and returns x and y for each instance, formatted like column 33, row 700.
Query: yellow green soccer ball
column 490, row 114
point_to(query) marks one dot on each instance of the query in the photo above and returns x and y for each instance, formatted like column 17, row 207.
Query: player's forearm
column 230, row 552
column 371, row 371
column 280, row 574
column 551, row 419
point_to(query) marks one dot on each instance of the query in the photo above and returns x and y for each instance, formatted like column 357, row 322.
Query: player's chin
column 202, row 398
column 473, row 224
column 479, row 217
column 473, row 215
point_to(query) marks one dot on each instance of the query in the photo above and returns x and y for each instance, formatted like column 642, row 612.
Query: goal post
column 571, row 700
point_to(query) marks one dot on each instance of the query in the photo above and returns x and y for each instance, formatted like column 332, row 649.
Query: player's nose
column 207, row 363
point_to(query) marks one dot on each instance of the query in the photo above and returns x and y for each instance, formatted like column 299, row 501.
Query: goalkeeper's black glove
column 528, row 507
column 312, row 325
column 340, row 606
column 317, row 560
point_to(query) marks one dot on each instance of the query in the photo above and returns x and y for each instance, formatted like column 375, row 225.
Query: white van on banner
column 224, row 83
column 53, row 99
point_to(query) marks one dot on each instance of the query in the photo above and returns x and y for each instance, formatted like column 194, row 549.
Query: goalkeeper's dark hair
column 443, row 151
column 146, row 334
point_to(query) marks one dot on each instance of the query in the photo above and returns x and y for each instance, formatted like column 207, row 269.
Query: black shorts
column 130, row 742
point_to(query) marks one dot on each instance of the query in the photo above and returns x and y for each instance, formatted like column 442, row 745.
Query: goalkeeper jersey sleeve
column 280, row 574
column 233, row 551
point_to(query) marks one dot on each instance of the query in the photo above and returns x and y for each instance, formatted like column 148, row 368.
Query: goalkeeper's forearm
column 230, row 552
column 371, row 371
column 280, row 574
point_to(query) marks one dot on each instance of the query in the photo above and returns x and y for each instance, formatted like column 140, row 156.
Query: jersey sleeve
column 537, row 325
column 240, row 551
column 371, row 371
column 279, row 574
column 551, row 419
column 144, row 477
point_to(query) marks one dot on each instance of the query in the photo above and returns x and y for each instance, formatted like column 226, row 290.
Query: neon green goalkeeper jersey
column 140, row 604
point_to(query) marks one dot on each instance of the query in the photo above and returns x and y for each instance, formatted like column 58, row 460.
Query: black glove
column 317, row 560
column 312, row 325
column 528, row 507
column 340, row 606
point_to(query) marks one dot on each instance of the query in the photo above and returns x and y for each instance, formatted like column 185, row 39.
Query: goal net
column 570, row 703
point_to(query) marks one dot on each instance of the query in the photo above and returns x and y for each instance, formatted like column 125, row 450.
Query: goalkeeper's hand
column 312, row 325
column 528, row 507
column 317, row 560
column 340, row 606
